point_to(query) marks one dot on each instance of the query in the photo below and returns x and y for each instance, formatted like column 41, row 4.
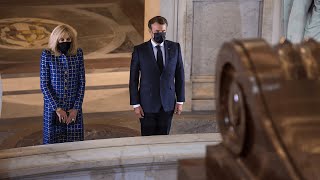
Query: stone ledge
column 134, row 152
column 204, row 105
column 203, row 79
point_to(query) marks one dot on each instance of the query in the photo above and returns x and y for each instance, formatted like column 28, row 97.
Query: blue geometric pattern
column 62, row 81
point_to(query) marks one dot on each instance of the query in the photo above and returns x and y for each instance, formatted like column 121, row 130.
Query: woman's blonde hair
column 56, row 34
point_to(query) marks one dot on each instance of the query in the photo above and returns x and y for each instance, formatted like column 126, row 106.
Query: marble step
column 31, row 105
column 23, row 83
column 27, row 131
column 105, row 92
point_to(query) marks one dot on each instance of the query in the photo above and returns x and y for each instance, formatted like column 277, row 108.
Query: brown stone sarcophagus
column 268, row 112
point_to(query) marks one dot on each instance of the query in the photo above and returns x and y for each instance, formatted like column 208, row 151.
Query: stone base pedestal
column 203, row 95
column 149, row 157
column 192, row 169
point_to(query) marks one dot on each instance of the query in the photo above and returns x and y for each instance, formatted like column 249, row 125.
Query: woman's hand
column 72, row 116
column 62, row 115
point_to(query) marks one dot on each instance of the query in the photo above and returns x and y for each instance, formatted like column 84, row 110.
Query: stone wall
column 215, row 22
column 272, row 23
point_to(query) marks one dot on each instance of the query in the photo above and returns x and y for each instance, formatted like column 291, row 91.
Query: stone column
column 272, row 22
column 209, row 25
column 151, row 9
column 165, row 8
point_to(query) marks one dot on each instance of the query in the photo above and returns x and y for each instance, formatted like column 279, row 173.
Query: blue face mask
column 159, row 37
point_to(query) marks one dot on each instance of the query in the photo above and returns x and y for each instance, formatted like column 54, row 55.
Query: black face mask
column 159, row 37
column 64, row 47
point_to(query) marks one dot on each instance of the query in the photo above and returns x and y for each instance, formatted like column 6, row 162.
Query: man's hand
column 139, row 112
column 178, row 109
column 62, row 115
column 72, row 116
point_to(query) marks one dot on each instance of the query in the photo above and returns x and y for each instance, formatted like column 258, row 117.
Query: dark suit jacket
column 148, row 87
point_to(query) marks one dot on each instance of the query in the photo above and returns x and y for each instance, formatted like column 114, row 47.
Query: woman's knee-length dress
column 62, row 80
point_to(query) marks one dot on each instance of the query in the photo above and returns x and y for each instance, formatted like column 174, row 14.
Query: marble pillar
column 272, row 21
column 165, row 8
column 151, row 9
column 210, row 24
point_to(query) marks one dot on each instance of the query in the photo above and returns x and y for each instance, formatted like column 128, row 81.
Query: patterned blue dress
column 62, row 81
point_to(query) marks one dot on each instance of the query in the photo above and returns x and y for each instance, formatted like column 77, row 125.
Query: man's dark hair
column 157, row 19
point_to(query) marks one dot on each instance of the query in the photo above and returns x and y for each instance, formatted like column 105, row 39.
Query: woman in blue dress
column 62, row 80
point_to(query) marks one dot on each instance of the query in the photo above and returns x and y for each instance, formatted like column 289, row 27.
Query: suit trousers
column 156, row 123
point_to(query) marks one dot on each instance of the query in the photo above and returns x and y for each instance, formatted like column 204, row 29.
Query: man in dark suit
column 156, row 80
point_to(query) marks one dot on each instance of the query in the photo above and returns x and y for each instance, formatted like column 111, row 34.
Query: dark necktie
column 159, row 58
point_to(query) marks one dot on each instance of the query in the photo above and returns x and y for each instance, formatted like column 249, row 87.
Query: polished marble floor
column 19, row 132
column 106, row 30
column 107, row 113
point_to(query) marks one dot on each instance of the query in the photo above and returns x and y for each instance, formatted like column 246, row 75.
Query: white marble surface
column 215, row 22
column 102, row 100
column 271, row 21
column 203, row 93
column 208, row 25
column 204, row 104
column 250, row 10
column 92, row 79
column 203, row 87
column 136, row 155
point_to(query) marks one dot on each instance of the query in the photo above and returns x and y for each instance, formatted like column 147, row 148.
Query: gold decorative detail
column 26, row 33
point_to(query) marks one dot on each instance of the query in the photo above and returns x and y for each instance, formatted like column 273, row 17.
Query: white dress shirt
column 155, row 50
